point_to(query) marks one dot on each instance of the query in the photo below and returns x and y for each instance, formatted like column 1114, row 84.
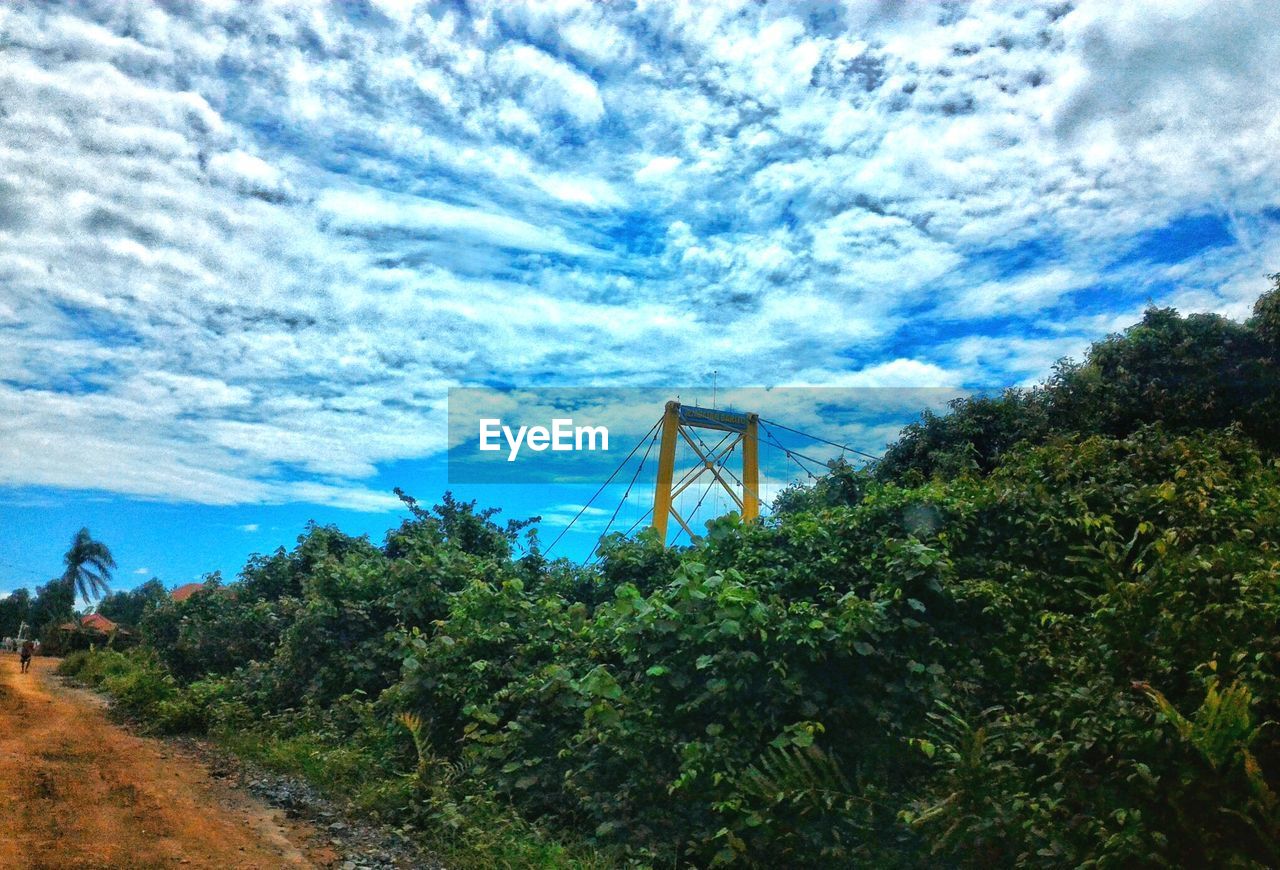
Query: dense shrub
column 126, row 607
column 1043, row 632
column 1154, row 566
column 1184, row 373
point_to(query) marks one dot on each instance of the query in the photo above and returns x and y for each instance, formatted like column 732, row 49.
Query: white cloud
column 142, row 571
column 248, row 174
column 1022, row 361
column 657, row 168
column 584, row 518
column 376, row 212
column 1023, row 294
column 905, row 373
column 245, row 250
column 248, row 527
column 548, row 84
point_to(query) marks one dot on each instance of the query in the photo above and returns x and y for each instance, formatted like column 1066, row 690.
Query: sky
column 245, row 250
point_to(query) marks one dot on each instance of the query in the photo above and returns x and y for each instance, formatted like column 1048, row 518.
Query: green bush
column 1041, row 633
column 73, row 663
column 93, row 667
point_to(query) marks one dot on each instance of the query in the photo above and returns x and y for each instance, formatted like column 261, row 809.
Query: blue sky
column 246, row 250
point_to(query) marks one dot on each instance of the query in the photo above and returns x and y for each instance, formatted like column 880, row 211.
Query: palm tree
column 89, row 565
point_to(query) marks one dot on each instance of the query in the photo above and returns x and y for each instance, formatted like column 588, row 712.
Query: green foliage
column 137, row 683
column 89, row 564
column 1184, row 373
column 127, row 607
column 842, row 486
column 976, row 778
column 1222, row 733
column 457, row 524
column 15, row 609
column 214, row 631
column 1222, row 729
column 1153, row 555
column 329, row 641
column 973, row 655
column 804, row 797
column 53, row 605
column 1265, row 322
column 972, row 438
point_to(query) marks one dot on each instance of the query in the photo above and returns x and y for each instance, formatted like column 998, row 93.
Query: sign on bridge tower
column 683, row 421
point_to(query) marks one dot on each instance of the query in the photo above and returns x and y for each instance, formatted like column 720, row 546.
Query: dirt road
column 78, row 791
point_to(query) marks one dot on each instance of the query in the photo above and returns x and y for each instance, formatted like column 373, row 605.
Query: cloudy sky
column 245, row 249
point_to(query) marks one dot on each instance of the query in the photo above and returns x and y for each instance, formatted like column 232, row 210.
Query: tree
column 127, row 607
column 54, row 603
column 89, row 566
column 1266, row 316
column 15, row 609
column 1186, row 373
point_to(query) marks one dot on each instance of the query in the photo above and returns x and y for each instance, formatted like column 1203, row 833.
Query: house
column 97, row 622
column 94, row 622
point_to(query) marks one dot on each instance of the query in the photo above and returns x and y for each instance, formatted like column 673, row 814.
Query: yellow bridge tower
column 680, row 421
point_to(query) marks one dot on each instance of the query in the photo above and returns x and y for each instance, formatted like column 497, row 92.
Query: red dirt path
column 77, row 791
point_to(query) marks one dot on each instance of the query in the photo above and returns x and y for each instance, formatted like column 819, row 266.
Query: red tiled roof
column 98, row 622
column 182, row 593
column 93, row 622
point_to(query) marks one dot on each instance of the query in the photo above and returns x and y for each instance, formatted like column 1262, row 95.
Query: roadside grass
column 460, row 824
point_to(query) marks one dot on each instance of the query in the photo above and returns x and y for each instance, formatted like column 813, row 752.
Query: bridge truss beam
column 682, row 421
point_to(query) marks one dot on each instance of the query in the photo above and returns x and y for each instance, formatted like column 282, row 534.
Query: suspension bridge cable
column 715, row 480
column 643, row 517
column 718, row 464
column 790, row 455
column 608, row 480
column 819, row 462
column 710, row 485
column 823, row 440
column 634, row 477
column 598, row 556
column 689, row 472
column 706, row 465
column 695, row 471
column 686, row 476
column 721, row 466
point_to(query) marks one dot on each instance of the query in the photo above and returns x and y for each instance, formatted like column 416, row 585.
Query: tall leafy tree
column 126, row 607
column 15, row 609
column 54, row 603
column 89, row 566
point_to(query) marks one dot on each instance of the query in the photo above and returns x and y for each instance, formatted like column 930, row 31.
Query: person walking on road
column 25, row 658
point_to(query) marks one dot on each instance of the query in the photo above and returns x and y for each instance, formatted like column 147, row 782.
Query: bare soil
column 78, row 791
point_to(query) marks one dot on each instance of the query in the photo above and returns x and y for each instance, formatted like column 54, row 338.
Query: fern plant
column 795, row 799
column 966, row 819
column 1222, row 732
column 431, row 770
column 805, row 777
column 1221, row 729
